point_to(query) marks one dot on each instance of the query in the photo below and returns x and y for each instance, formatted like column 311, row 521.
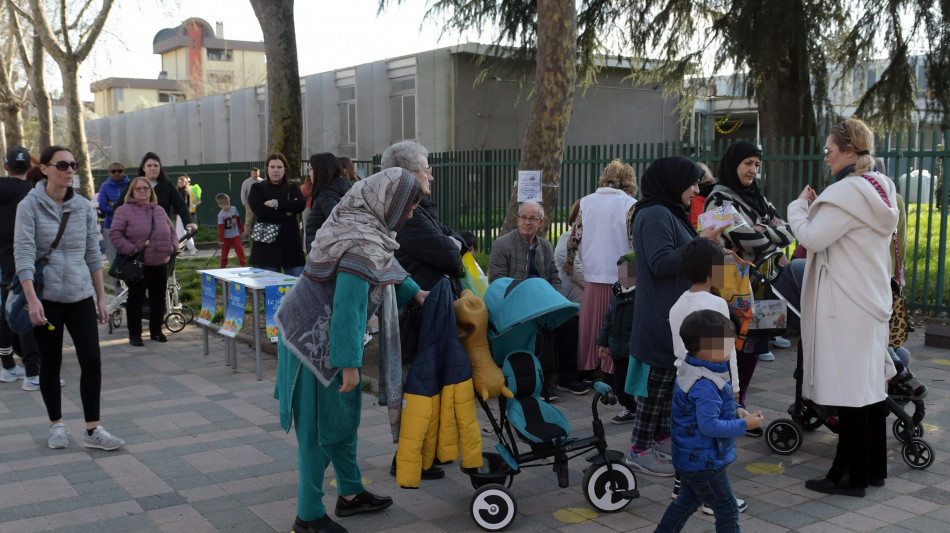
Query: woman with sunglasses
column 73, row 273
column 140, row 223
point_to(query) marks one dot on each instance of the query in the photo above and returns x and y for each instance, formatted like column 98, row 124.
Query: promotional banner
column 208, row 299
column 234, row 316
column 272, row 297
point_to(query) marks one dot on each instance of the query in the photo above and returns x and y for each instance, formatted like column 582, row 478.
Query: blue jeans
column 710, row 487
column 290, row 271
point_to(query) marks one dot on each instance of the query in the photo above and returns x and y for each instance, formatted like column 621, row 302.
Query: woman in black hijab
column 660, row 228
column 764, row 231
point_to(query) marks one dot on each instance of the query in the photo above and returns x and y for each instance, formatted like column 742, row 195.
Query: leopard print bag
column 898, row 323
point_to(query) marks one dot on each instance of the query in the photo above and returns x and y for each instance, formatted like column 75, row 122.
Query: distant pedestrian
column 245, row 190
column 230, row 229
column 329, row 186
column 108, row 196
column 349, row 171
column 184, row 189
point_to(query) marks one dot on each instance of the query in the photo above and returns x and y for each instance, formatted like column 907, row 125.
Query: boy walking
column 705, row 424
column 230, row 229
column 614, row 338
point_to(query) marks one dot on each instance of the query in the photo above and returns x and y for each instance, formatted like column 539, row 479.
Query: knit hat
column 18, row 159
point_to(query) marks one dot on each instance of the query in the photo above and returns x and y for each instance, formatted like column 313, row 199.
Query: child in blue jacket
column 705, row 424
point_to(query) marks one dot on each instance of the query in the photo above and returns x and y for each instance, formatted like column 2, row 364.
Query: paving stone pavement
column 205, row 452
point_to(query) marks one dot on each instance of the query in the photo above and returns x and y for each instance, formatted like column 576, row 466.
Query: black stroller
column 518, row 310
column 784, row 436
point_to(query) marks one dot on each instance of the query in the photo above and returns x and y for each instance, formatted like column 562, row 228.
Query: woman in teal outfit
column 348, row 270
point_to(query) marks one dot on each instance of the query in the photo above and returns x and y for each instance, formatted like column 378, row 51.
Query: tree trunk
column 284, row 115
column 12, row 124
column 551, row 105
column 76, row 127
column 44, row 115
column 783, row 90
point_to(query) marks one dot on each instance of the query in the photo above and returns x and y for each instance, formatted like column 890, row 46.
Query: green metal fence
column 472, row 190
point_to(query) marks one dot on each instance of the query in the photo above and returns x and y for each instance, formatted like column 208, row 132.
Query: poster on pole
column 272, row 297
column 529, row 186
column 234, row 316
column 208, row 299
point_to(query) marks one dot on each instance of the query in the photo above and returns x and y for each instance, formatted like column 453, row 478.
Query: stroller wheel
column 917, row 453
column 115, row 320
column 493, row 507
column 900, row 430
column 609, row 487
column 175, row 322
column 784, row 436
column 808, row 422
column 189, row 313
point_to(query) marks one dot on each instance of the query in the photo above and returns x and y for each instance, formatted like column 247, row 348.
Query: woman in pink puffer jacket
column 131, row 230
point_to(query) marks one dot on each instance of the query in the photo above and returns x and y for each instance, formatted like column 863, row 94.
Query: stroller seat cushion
column 534, row 420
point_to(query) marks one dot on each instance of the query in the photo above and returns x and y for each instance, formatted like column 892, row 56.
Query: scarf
column 729, row 177
column 359, row 236
column 663, row 184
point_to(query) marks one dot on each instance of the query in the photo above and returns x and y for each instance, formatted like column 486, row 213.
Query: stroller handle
column 605, row 394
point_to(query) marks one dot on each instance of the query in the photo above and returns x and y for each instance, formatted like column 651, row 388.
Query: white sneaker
column 780, row 342
column 739, row 502
column 102, row 440
column 57, row 436
column 33, row 383
column 9, row 376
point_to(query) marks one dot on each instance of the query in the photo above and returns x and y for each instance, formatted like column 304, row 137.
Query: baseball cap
column 18, row 159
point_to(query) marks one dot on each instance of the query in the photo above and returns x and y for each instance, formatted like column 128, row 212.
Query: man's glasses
column 533, row 220
column 117, row 171
column 63, row 165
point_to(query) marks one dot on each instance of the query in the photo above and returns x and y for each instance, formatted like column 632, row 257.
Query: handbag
column 16, row 309
column 897, row 326
column 131, row 267
column 265, row 232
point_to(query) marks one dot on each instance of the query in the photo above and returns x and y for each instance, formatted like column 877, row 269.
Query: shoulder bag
column 266, row 232
column 16, row 310
column 131, row 267
column 898, row 324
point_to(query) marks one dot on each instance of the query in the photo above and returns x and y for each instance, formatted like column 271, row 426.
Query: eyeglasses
column 829, row 150
column 117, row 171
column 143, row 188
column 63, row 165
column 533, row 220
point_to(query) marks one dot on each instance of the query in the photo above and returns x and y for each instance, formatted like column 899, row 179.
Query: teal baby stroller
column 517, row 311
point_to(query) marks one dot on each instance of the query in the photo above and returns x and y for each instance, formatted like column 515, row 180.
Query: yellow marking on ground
column 940, row 361
column 575, row 515
column 765, row 468
column 929, row 428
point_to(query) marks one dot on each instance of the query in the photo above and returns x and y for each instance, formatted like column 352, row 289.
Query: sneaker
column 625, row 417
column 755, row 433
column 57, row 436
column 575, row 387
column 767, row 356
column 366, row 502
column 9, row 376
column 366, row 338
column 33, row 383
column 649, row 463
column 780, row 342
column 548, row 394
column 664, row 449
column 739, row 501
column 908, row 385
column 102, row 440
column 676, row 487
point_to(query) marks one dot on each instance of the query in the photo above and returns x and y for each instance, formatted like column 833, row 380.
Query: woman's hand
column 603, row 352
column 713, row 232
column 271, row 203
column 421, row 296
column 103, row 311
column 37, row 314
column 808, row 194
column 192, row 226
column 351, row 378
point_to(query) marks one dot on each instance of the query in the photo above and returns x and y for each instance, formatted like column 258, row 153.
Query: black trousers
column 156, row 281
column 558, row 347
column 862, row 447
column 25, row 344
column 79, row 319
column 621, row 364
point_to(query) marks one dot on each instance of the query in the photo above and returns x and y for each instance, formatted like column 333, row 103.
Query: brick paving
column 205, row 452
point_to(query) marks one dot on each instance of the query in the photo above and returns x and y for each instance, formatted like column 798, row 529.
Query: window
column 347, row 107
column 402, row 108
column 220, row 55
column 119, row 94
column 170, row 98
column 220, row 77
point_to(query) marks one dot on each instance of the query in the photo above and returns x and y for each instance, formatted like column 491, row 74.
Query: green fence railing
column 472, row 190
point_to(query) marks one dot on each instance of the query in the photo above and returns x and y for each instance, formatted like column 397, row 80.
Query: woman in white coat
column 846, row 304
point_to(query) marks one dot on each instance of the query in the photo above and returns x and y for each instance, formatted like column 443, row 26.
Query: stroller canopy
column 518, row 309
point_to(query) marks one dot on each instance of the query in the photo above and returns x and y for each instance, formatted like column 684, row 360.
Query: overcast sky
column 330, row 34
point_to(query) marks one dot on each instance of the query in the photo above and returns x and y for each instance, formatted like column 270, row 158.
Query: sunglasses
column 63, row 165
column 117, row 171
